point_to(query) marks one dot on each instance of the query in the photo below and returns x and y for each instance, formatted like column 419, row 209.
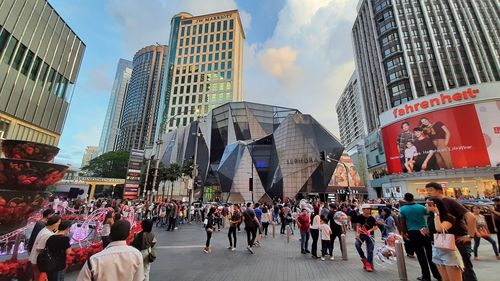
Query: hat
column 366, row 206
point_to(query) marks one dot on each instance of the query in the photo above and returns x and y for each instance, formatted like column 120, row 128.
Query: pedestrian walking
column 417, row 231
column 117, row 261
column 482, row 232
column 209, row 228
column 251, row 224
column 145, row 241
column 336, row 228
column 467, row 224
column 315, row 235
column 58, row 247
column 304, row 223
column 266, row 219
column 325, row 232
column 365, row 228
column 448, row 261
column 234, row 221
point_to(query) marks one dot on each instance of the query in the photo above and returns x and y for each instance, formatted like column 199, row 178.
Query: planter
column 19, row 174
column 18, row 149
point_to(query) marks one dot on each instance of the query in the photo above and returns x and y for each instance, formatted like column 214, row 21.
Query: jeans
column 488, row 238
column 423, row 248
column 465, row 251
column 251, row 234
column 409, row 247
column 209, row 236
column 314, row 246
column 325, row 247
column 332, row 238
column 304, row 240
column 232, row 231
column 265, row 226
column 369, row 247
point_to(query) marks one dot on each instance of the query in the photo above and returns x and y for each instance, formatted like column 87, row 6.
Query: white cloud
column 307, row 61
column 147, row 22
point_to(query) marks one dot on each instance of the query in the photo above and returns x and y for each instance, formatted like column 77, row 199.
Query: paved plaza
column 180, row 257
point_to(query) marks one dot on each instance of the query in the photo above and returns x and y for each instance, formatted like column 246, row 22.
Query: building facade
column 40, row 56
column 205, row 66
column 407, row 49
column 115, row 106
column 274, row 149
column 142, row 102
column 90, row 153
column 350, row 113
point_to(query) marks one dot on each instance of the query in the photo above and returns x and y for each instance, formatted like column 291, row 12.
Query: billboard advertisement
column 463, row 136
column 341, row 177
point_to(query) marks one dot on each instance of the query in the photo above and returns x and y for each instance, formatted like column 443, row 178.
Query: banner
column 341, row 177
column 464, row 136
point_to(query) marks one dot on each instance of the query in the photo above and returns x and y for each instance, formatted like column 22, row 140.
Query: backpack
column 46, row 262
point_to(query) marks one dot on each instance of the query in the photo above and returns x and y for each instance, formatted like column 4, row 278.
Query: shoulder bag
column 444, row 241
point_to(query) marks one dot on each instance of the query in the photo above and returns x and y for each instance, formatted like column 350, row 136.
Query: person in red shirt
column 304, row 222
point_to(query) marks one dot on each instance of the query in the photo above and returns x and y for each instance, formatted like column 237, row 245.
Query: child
column 325, row 231
column 410, row 153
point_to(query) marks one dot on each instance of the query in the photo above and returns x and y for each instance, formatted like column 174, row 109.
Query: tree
column 162, row 177
column 111, row 164
column 187, row 168
column 173, row 173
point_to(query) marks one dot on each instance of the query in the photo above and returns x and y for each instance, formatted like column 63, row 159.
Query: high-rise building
column 406, row 49
column 350, row 113
column 140, row 109
column 115, row 106
column 204, row 66
column 40, row 56
column 90, row 153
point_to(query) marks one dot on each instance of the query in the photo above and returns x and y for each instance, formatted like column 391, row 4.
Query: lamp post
column 113, row 191
column 146, row 180
column 195, row 165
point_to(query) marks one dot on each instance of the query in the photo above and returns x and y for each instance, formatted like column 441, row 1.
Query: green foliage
column 173, row 172
column 112, row 164
column 187, row 168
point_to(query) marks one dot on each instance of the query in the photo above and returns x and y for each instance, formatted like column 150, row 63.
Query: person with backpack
column 57, row 248
column 40, row 243
column 145, row 241
column 251, row 224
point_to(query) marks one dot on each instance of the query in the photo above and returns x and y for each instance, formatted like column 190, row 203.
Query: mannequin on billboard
column 426, row 150
column 403, row 138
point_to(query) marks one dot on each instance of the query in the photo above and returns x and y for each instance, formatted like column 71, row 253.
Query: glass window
column 212, row 27
column 19, row 56
column 223, row 55
column 182, row 31
column 218, row 26
column 217, row 47
column 229, row 55
column 216, row 56
column 216, row 66
column 205, row 39
column 200, row 29
column 230, row 45
column 35, row 68
column 206, row 27
column 217, row 37
column 43, row 73
column 224, row 37
column 4, row 37
column 63, row 87
column 223, row 46
column 222, row 65
column 211, row 38
column 211, row 48
column 224, row 25
column 10, row 50
column 229, row 74
column 229, row 64
column 230, row 35
column 27, row 63
column 50, row 81
column 231, row 24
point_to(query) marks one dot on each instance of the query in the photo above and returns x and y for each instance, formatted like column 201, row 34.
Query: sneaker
column 229, row 247
column 233, row 249
column 250, row 249
column 332, row 258
column 322, row 258
column 303, row 252
column 206, row 251
column 307, row 251
column 369, row 267
column 364, row 261
column 176, row 228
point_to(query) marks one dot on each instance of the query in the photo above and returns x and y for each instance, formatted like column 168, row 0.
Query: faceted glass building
column 277, row 147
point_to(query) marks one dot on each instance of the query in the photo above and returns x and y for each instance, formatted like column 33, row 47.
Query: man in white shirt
column 55, row 204
column 117, row 261
column 40, row 241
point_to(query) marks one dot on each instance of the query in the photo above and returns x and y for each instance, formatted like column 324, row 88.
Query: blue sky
column 298, row 53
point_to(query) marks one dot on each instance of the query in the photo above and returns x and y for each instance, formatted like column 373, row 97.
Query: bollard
column 288, row 233
column 403, row 275
column 343, row 246
column 274, row 229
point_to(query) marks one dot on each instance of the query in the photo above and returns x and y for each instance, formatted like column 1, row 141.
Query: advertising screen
column 464, row 136
column 341, row 177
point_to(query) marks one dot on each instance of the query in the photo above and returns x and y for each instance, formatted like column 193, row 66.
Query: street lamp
column 195, row 165
column 113, row 191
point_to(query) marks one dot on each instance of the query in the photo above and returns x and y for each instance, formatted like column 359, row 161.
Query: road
column 180, row 257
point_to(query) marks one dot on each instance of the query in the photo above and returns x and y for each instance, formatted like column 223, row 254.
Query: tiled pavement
column 180, row 257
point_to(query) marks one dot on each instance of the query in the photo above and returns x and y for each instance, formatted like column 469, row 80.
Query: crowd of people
column 439, row 232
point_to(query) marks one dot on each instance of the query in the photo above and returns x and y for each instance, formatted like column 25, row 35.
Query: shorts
column 447, row 258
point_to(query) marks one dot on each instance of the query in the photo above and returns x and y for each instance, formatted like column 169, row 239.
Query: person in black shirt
column 337, row 229
column 425, row 159
column 365, row 227
column 59, row 247
column 440, row 136
column 39, row 225
column 251, row 225
column 209, row 227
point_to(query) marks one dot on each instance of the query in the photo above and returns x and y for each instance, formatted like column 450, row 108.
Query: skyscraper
column 204, row 67
column 406, row 49
column 115, row 106
column 40, row 56
column 90, row 153
column 350, row 113
column 140, row 109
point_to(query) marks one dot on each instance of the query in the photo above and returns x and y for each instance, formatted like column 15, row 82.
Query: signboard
column 463, row 136
column 131, row 189
column 341, row 177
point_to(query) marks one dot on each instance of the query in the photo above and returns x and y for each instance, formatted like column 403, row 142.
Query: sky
column 298, row 53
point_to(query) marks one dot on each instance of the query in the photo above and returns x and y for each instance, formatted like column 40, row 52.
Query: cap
column 366, row 206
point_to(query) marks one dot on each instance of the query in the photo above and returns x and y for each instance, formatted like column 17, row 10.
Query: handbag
column 483, row 232
column 46, row 262
column 444, row 241
column 151, row 255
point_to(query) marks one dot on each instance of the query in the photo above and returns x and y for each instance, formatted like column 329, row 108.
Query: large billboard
column 343, row 177
column 447, row 137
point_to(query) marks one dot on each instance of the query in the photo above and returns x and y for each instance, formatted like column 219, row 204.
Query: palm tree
column 187, row 168
column 173, row 173
column 162, row 177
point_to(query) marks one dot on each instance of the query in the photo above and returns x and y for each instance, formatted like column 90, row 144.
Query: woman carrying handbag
column 145, row 241
column 482, row 232
column 444, row 251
